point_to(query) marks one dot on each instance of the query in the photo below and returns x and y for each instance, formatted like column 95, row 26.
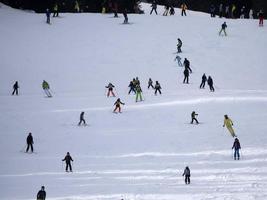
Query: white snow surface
column 141, row 153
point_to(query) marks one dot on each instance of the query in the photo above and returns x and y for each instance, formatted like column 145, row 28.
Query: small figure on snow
column 110, row 87
column 193, row 117
column 212, row 10
column 150, row 83
column 251, row 14
column 184, row 8
column 117, row 105
column 48, row 13
column 82, row 119
column 68, row 160
column 261, row 17
column 178, row 58
column 41, row 195
column 224, row 26
column 115, row 8
column 30, row 142
column 186, row 76
column 204, row 79
column 138, row 93
column 210, row 83
column 157, row 88
column 46, row 88
column 55, row 10
column 179, row 45
column 165, row 13
column 15, row 88
column 186, row 174
column 229, row 125
column 242, row 13
column 125, row 16
column 236, row 147
column 132, row 87
column 187, row 65
column 154, row 7
column 172, row 11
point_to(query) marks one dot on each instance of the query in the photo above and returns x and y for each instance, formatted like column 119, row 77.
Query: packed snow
column 141, row 153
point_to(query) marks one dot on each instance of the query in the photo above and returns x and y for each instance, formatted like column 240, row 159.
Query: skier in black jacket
column 132, row 87
column 15, row 88
column 187, row 175
column 179, row 45
column 41, row 195
column 82, row 119
column 29, row 143
column 204, row 79
column 68, row 160
column 186, row 75
column 150, row 83
column 117, row 105
column 154, row 7
column 210, row 83
column 157, row 88
column 187, row 65
column 193, row 117
column 236, row 147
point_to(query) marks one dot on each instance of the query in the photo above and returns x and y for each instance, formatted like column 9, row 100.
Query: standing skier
column 55, row 10
column 125, row 16
column 132, row 87
column 227, row 11
column 82, row 119
column 117, row 105
column 212, row 10
column 172, row 11
column 29, row 141
column 166, row 10
column 157, row 88
column 186, row 75
column 68, row 160
column 251, row 14
column 210, row 83
column 15, row 88
column 187, row 65
column 178, row 58
column 186, row 174
column 138, row 93
column 229, row 125
column 204, row 79
column 110, row 87
column 41, row 194
column 150, row 83
column 46, row 88
column 154, row 7
column 261, row 17
column 184, row 8
column 224, row 26
column 179, row 45
column 236, row 147
column 48, row 13
column 193, row 117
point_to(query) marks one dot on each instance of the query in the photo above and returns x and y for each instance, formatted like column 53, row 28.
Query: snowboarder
column 117, row 105
column 165, row 13
column 125, row 16
column 179, row 45
column 186, row 174
column 55, row 10
column 132, row 87
column 48, row 13
column 178, row 58
column 68, row 160
column 15, row 88
column 204, row 79
column 184, row 8
column 157, row 88
column 138, row 93
column 224, row 26
column 221, row 10
column 46, row 88
column 193, row 117
column 187, row 65
column 210, row 83
column 261, row 17
column 29, row 141
column 186, row 75
column 110, row 89
column 229, row 125
column 41, row 194
column 154, row 7
column 150, row 83
column 236, row 147
column 212, row 10
column 172, row 11
column 82, row 119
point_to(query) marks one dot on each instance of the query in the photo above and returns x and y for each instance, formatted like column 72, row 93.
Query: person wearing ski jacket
column 210, row 83
column 193, row 117
column 125, row 16
column 68, row 160
column 138, row 93
column 204, row 79
column 46, row 88
column 261, row 17
column 55, row 10
column 224, row 26
column 150, row 83
column 179, row 45
column 187, row 175
column 154, row 7
column 82, row 119
column 186, row 75
column 157, row 88
column 178, row 58
column 187, row 65
column 48, row 13
column 30, row 142
column 110, row 87
column 117, row 105
column 15, row 88
column 229, row 125
column 41, row 195
column 172, row 11
column 132, row 87
column 183, row 8
column 236, row 147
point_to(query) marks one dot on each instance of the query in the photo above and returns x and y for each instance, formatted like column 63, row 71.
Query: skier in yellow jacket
column 228, row 123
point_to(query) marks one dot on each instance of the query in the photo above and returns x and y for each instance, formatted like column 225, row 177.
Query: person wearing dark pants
column 236, row 147
column 157, row 88
column 82, row 119
column 150, row 83
column 210, row 83
column 55, row 10
column 41, row 195
column 132, row 87
column 29, row 143
column 68, row 160
column 117, row 105
column 186, row 76
column 15, row 88
column 125, row 16
column 154, row 7
column 48, row 13
column 184, row 8
column 187, row 65
column 204, row 79
column 110, row 87
column 193, row 117
column 179, row 45
column 186, row 174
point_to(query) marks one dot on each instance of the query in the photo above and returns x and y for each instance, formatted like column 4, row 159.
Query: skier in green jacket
column 138, row 93
column 46, row 88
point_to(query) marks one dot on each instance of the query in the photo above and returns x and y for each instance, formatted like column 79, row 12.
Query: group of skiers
column 168, row 9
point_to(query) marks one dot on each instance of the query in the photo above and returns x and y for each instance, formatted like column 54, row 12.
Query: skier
column 132, row 87
column 186, row 174
column 76, row 6
column 178, row 58
column 172, row 11
column 224, row 26
column 117, row 105
column 110, row 89
column 46, row 88
column 242, row 13
column 251, row 14
column 221, row 10
column 157, row 88
column 138, row 93
column 212, row 10
column 179, row 45
column 227, row 11
column 236, row 147
column 166, row 10
column 187, row 65
column 68, row 160
column 82, row 119
column 150, row 83
column 184, row 8
column 210, row 83
column 154, row 7
column 233, row 10
column 55, row 10
column 186, row 75
column 261, row 17
column 15, row 88
column 29, row 141
column 48, row 16
column 125, row 16
column 193, row 117
column 41, row 194
column 137, row 81
column 229, row 125
column 204, row 79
